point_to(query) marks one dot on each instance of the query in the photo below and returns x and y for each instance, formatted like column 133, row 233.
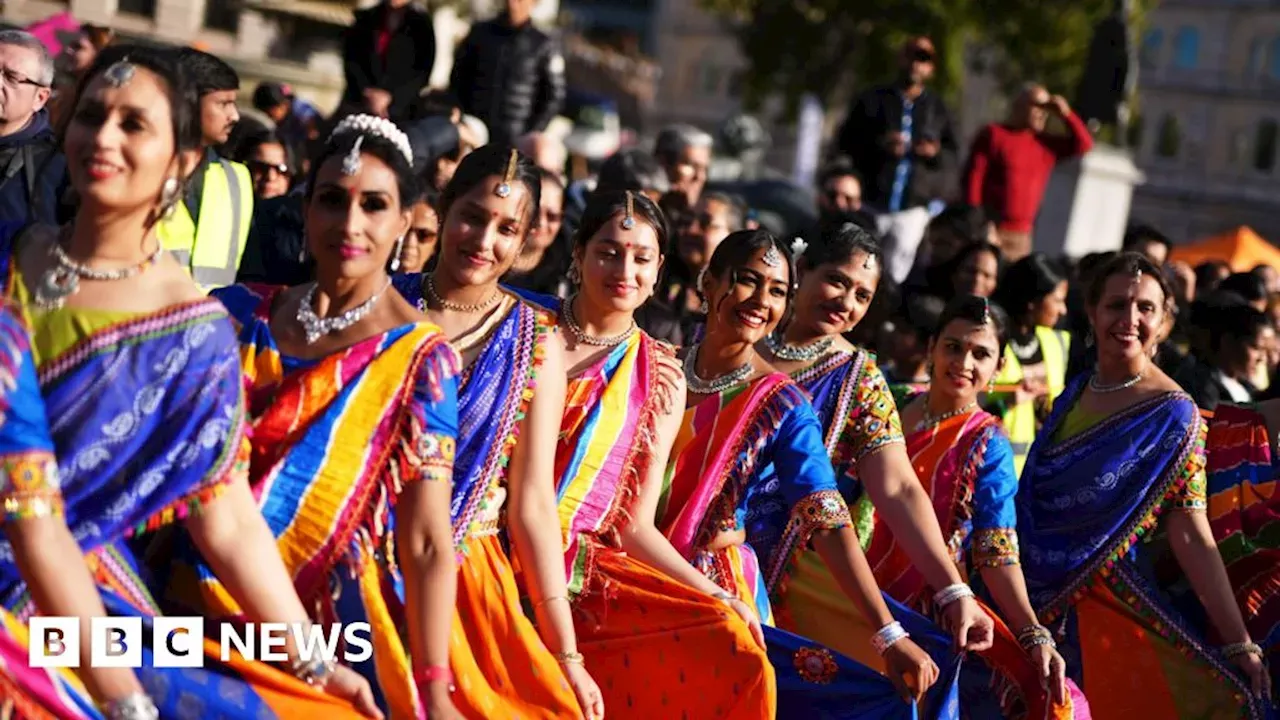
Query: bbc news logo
column 178, row 642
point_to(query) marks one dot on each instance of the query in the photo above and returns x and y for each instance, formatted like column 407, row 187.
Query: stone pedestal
column 1086, row 206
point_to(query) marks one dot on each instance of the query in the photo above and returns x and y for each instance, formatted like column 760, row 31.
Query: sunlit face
column 420, row 241
column 965, row 355
column 550, row 217
column 120, row 143
column 708, row 227
column 619, row 267
column 79, row 55
column 689, row 173
column 21, row 94
column 977, row 274
column 1156, row 252
column 1050, row 309
column 482, row 234
column 747, row 303
column 445, row 168
column 1255, row 352
column 269, row 170
column 841, row 194
column 833, row 298
column 1033, row 108
column 1129, row 317
column 218, row 115
column 353, row 221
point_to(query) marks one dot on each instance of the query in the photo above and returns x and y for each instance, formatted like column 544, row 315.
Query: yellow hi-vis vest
column 211, row 246
column 1020, row 420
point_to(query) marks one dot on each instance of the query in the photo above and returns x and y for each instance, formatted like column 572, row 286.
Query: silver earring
column 575, row 275
column 395, row 254
column 1088, row 338
column 168, row 196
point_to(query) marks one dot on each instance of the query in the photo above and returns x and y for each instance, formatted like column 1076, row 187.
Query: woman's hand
column 1256, row 670
column 670, row 375
column 589, row 696
column 1053, row 671
column 969, row 624
column 911, row 669
column 439, row 704
column 351, row 686
column 746, row 613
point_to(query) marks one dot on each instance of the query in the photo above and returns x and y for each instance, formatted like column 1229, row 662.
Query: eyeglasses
column 263, row 167
column 15, row 80
column 422, row 235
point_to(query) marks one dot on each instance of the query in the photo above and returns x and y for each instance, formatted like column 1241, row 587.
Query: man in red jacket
column 1010, row 163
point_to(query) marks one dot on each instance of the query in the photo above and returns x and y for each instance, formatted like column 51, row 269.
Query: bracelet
column 887, row 636
column 544, row 601
column 950, row 594
column 1033, row 636
column 315, row 673
column 432, row 674
column 1235, row 650
column 132, row 707
column 570, row 657
column 723, row 596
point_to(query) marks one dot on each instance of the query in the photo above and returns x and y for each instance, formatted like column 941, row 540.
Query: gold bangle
column 540, row 603
column 570, row 657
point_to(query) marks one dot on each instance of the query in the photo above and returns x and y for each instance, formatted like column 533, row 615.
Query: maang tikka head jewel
column 120, row 73
column 772, row 257
column 504, row 188
column 369, row 125
column 629, row 220
column 351, row 163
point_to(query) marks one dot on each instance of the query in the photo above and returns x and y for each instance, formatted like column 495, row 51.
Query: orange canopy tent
column 1242, row 249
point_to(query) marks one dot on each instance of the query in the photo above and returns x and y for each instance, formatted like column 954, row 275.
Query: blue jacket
column 47, row 179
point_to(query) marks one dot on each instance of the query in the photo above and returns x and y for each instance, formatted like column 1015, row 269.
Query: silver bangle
column 133, row 707
column 950, row 594
column 315, row 673
column 887, row 636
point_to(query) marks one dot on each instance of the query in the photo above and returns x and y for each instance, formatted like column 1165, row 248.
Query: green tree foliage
column 825, row 47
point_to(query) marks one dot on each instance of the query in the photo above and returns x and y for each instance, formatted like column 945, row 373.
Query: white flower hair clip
column 365, row 125
column 798, row 246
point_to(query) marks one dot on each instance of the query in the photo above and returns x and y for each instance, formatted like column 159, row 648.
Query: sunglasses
column 921, row 55
column 423, row 235
column 263, row 167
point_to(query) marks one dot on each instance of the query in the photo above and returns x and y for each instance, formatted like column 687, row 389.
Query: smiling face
column 747, row 303
column 120, row 143
column 619, row 267
column 353, row 221
column 1129, row 317
column 833, row 298
column 420, row 241
column 965, row 356
column 483, row 233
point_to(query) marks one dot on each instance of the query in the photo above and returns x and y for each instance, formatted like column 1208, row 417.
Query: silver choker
column 317, row 327
column 798, row 353
column 581, row 337
column 1101, row 389
column 928, row 420
column 63, row 279
column 716, row 385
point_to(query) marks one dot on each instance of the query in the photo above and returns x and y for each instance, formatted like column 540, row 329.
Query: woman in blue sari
column 1114, row 484
column 140, row 379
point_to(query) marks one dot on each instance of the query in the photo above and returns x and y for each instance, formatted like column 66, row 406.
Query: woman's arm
column 1192, row 542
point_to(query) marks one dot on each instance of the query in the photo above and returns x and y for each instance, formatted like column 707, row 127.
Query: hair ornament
column 351, row 163
column 986, row 311
column 366, row 125
column 629, row 220
column 120, row 73
column 772, row 257
column 869, row 263
column 504, row 188
column 798, row 246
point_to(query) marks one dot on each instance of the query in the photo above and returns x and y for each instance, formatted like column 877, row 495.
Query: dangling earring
column 702, row 306
column 168, row 197
column 395, row 254
column 575, row 275
column 1088, row 338
column 991, row 384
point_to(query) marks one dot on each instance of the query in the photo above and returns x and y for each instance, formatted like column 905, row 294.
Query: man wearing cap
column 903, row 145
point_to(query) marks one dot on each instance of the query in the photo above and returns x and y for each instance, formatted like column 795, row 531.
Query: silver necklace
column 63, row 279
column 715, row 385
column 581, row 337
column 929, row 420
column 1027, row 350
column 798, row 353
column 1102, row 389
column 430, row 286
column 317, row 327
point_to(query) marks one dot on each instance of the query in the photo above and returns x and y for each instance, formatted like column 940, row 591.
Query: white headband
column 377, row 126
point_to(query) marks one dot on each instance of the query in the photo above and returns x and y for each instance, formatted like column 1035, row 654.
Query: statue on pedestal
column 1111, row 74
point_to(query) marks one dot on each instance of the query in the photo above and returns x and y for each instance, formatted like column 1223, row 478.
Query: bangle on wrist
column 315, row 672
column 1235, row 650
column 724, row 596
column 1033, row 636
column 570, row 657
column 132, row 707
column 886, row 636
column 433, row 674
column 544, row 601
column 950, row 594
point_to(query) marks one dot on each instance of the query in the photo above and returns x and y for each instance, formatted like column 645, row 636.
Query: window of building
column 1264, row 146
column 1186, row 48
column 1238, row 148
column 221, row 15
column 145, row 8
column 1169, row 141
column 1273, row 59
column 1149, row 57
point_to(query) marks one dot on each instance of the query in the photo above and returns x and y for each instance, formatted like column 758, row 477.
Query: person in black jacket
column 387, row 55
column 509, row 74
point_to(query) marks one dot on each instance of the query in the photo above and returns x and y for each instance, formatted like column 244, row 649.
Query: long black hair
column 1025, row 283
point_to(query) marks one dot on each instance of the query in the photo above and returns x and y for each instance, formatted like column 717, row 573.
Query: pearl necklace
column 928, row 420
column 798, row 353
column 1025, row 351
column 715, row 385
column 430, row 286
column 63, row 279
column 581, row 337
column 317, row 327
column 1101, row 389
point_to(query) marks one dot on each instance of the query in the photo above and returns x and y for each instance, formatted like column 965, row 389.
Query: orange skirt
column 660, row 649
column 501, row 668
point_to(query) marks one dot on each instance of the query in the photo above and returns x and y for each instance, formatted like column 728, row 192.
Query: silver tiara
column 366, row 125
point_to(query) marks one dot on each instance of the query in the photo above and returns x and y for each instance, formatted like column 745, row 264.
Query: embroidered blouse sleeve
column 430, row 435
column 995, row 535
column 28, row 471
column 1194, row 495
column 806, row 479
column 874, row 421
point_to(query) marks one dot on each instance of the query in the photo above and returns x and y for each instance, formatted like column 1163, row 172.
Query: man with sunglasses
column 1010, row 163
column 32, row 171
column 902, row 142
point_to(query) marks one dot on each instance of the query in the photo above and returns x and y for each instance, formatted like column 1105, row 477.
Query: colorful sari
column 1244, row 511
column 335, row 440
column 500, row 665
column 1088, row 505
column 752, row 459
column 147, row 418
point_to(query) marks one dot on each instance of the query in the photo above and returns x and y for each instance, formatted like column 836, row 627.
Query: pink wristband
column 435, row 673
